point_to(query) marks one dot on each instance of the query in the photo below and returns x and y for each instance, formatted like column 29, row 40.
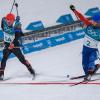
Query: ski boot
column 1, row 74
column 97, row 66
column 92, row 72
column 89, row 75
column 31, row 70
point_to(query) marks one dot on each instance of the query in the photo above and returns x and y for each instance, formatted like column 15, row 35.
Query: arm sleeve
column 82, row 18
column 18, row 28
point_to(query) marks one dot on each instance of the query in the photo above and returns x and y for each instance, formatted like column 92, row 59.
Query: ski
column 77, row 77
column 85, row 82
column 82, row 76
column 5, row 79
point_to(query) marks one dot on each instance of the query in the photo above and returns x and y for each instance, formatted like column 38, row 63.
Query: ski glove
column 11, row 46
column 72, row 7
column 16, row 4
column 18, row 18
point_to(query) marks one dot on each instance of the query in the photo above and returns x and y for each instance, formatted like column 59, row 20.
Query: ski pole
column 12, row 6
column 22, row 46
column 79, row 20
column 16, row 4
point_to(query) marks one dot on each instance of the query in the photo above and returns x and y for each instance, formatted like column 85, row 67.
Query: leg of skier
column 22, row 59
column 97, row 62
column 92, row 67
column 6, row 53
column 85, row 59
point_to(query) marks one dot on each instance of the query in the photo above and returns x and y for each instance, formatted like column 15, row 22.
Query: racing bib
column 8, row 38
column 89, row 42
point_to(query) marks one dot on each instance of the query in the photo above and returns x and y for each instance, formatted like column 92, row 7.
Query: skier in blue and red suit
column 90, row 53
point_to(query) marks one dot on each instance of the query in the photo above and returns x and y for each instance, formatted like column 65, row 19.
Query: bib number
column 8, row 38
column 88, row 43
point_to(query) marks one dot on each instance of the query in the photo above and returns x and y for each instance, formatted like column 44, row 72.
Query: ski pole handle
column 72, row 7
column 16, row 4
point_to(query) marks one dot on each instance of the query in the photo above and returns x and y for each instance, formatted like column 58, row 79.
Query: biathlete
column 90, row 52
column 11, row 27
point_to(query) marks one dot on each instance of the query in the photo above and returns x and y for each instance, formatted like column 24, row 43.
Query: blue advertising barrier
column 35, row 26
column 65, row 19
column 51, row 42
column 92, row 11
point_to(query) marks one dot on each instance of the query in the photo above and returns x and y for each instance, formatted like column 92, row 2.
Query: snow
column 53, row 64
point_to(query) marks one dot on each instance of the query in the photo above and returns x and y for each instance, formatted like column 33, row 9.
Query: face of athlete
column 10, row 22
